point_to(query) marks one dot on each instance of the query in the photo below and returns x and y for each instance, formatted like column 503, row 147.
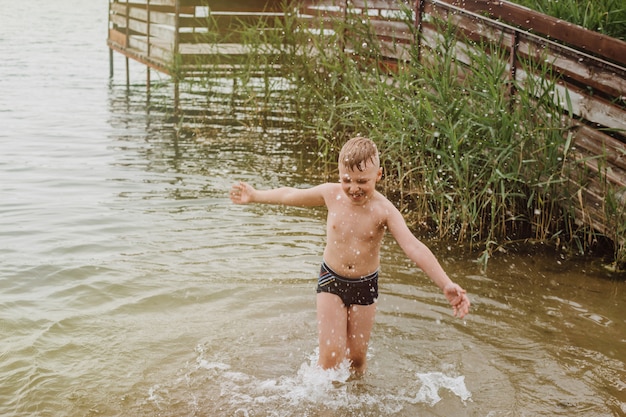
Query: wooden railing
column 590, row 66
column 174, row 35
column 589, row 70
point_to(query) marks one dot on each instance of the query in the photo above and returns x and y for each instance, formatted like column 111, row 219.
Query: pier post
column 513, row 65
column 419, row 14
column 148, row 45
column 127, row 36
column 177, row 70
column 110, row 62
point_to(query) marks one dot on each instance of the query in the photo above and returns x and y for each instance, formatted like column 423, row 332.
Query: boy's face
column 359, row 186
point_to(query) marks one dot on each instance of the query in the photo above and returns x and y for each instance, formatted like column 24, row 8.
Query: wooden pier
column 176, row 36
column 172, row 36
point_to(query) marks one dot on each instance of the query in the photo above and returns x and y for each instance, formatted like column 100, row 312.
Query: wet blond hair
column 357, row 153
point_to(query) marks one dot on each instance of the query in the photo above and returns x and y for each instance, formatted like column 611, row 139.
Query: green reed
column 476, row 159
column 462, row 157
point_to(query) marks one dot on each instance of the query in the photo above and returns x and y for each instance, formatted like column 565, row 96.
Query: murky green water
column 131, row 286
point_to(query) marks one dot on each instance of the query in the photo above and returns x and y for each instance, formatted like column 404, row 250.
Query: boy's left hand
column 458, row 299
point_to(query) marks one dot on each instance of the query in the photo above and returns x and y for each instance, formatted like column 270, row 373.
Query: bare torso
column 354, row 233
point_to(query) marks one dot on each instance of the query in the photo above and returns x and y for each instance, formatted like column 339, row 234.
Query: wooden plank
column 235, row 4
column 160, row 6
column 167, row 3
column 609, row 79
column 220, row 36
column 598, row 143
column 118, row 8
column 589, row 179
column 322, row 3
column 160, row 51
column 138, row 14
column 224, row 49
column 590, row 41
column 215, row 18
column 587, row 190
column 381, row 4
column 474, row 27
column 225, row 54
column 593, row 164
column 167, row 18
column 119, row 21
column 392, row 30
column 395, row 51
column 191, row 22
column 236, row 20
column 161, row 18
column 244, row 5
column 118, row 37
column 137, row 26
column 196, row 38
column 141, row 58
column 325, row 12
column 590, row 107
column 139, row 44
column 587, row 212
column 165, row 33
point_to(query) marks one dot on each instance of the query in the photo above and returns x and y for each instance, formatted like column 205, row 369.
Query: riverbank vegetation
column 471, row 159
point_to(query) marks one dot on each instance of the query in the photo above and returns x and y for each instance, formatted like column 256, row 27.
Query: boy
column 357, row 219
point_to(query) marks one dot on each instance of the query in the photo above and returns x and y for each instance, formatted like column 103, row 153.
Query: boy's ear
column 380, row 174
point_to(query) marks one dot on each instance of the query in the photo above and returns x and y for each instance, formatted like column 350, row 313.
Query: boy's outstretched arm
column 244, row 193
column 426, row 260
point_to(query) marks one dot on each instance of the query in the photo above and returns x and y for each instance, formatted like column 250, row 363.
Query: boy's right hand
column 458, row 299
column 241, row 193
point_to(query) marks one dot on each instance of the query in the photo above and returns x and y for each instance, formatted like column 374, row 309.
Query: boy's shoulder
column 327, row 189
column 383, row 204
column 382, row 199
column 330, row 187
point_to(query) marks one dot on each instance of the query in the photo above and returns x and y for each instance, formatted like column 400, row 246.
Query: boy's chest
column 351, row 224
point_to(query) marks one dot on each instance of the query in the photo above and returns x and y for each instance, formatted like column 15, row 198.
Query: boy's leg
column 332, row 318
column 360, row 323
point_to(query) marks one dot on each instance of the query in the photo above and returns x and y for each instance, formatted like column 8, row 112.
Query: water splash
column 433, row 382
column 312, row 390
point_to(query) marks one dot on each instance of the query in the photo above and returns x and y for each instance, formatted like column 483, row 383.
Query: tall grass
column 464, row 159
column 461, row 159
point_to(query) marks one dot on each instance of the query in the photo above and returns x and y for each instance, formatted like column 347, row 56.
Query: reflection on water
column 129, row 285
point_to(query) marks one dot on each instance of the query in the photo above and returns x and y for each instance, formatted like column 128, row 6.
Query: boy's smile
column 359, row 185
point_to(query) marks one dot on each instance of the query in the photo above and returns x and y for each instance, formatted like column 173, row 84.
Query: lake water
column 131, row 286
